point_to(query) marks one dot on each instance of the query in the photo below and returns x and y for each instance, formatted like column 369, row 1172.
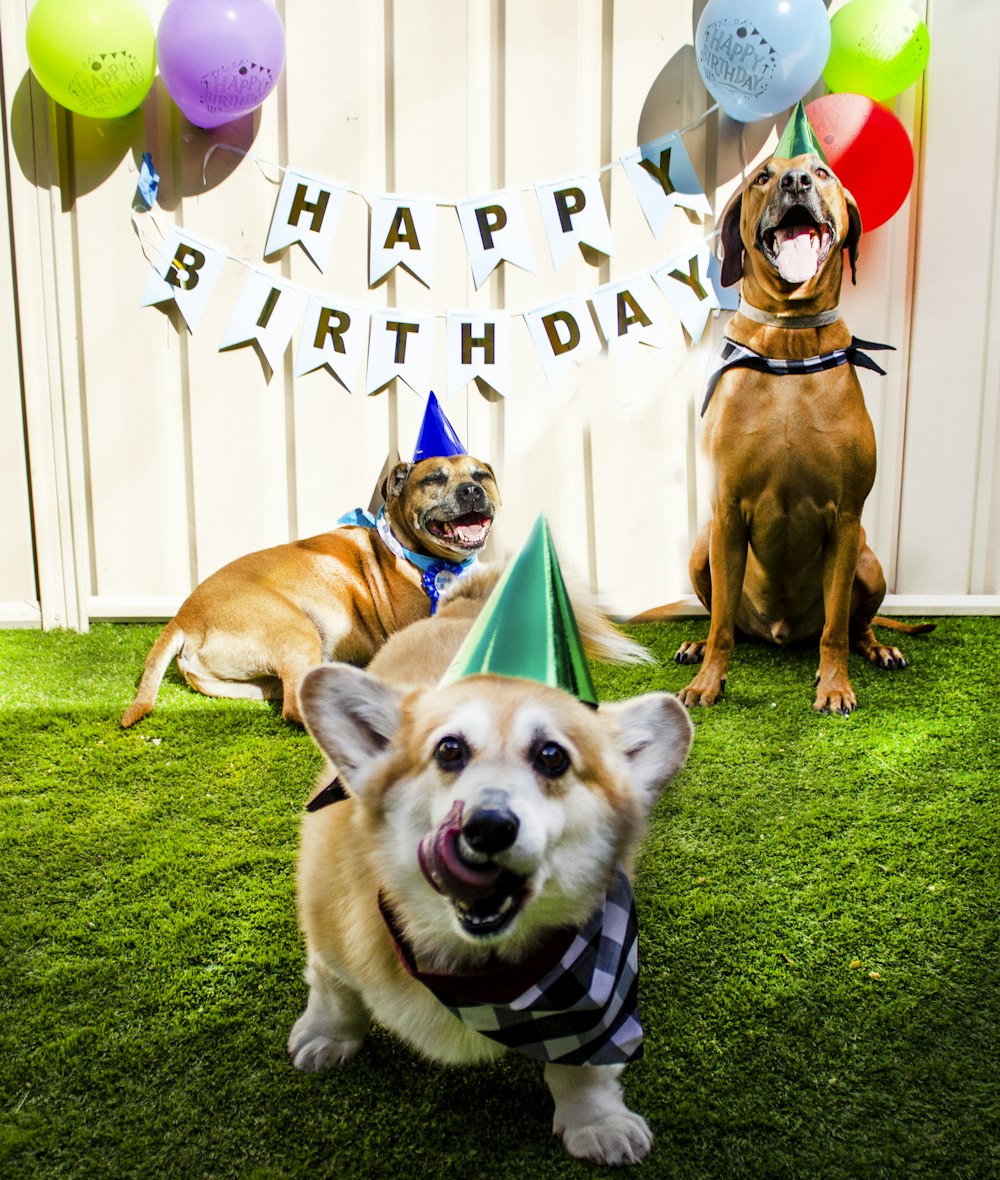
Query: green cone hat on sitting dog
column 798, row 138
column 527, row 627
column 437, row 436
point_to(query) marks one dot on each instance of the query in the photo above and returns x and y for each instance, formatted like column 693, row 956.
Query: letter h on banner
column 307, row 210
column 478, row 346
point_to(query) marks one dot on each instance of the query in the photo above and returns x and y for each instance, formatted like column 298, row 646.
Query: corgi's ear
column 351, row 716
column 655, row 735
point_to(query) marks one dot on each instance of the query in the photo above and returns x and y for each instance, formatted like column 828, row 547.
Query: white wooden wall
column 138, row 458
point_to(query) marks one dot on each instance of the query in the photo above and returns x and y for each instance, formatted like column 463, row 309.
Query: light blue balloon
column 759, row 57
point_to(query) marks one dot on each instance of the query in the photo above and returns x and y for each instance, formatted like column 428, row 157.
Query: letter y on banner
column 685, row 281
column 266, row 315
column 307, row 211
column 573, row 212
column 662, row 177
column 186, row 271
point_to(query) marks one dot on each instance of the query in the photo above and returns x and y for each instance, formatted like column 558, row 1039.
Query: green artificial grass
column 817, row 897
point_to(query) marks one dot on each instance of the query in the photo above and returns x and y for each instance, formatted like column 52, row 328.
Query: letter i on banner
column 495, row 231
column 401, row 344
column 573, row 212
column 402, row 234
column 688, row 288
column 266, row 315
column 186, row 271
column 478, row 346
column 563, row 334
column 334, row 334
column 307, row 210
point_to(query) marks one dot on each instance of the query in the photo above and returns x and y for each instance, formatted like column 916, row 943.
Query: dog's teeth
column 508, row 902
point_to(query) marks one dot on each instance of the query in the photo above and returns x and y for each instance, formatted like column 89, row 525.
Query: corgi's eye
column 551, row 760
column 451, row 753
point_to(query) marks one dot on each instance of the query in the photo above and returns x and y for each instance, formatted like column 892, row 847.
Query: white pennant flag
column 186, row 271
column 402, row 233
column 401, row 344
column 496, row 231
column 334, row 334
column 573, row 212
column 563, row 334
column 477, row 345
column 631, row 312
column 662, row 176
column 686, row 283
column 307, row 211
column 266, row 315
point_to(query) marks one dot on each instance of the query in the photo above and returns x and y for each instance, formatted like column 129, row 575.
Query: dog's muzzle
column 797, row 232
column 457, row 859
column 469, row 520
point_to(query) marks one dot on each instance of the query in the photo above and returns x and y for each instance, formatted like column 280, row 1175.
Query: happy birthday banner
column 393, row 342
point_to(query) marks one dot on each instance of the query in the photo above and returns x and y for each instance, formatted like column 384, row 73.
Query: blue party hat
column 437, row 435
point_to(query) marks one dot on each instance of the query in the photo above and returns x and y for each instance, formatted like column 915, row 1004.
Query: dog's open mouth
column 466, row 532
column 797, row 245
column 486, row 896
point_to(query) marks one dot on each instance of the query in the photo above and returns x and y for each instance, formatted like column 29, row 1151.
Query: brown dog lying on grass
column 790, row 443
column 256, row 626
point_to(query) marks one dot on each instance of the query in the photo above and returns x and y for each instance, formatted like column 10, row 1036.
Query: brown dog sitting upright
column 788, row 437
column 255, row 627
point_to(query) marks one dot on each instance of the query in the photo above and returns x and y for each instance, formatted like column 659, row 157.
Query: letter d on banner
column 563, row 334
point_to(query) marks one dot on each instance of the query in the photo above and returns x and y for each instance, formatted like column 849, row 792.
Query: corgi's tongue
column 444, row 868
column 797, row 253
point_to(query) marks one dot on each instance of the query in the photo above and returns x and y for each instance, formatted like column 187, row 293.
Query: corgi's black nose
column 490, row 829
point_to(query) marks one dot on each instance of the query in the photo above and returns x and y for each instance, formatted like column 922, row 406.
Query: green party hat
column 798, row 138
column 527, row 627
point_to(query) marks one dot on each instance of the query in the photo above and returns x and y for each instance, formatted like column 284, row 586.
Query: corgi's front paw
column 313, row 1050
column 621, row 1138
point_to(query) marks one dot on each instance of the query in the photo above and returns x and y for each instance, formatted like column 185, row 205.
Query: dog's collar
column 733, row 355
column 574, row 1002
column 436, row 572
column 773, row 319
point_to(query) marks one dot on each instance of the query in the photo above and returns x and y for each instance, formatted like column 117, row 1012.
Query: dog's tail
column 601, row 638
column 157, row 662
column 906, row 628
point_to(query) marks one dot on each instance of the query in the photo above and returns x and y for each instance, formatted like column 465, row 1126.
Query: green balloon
column 94, row 57
column 877, row 48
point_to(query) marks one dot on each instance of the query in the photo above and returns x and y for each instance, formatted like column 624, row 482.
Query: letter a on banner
column 573, row 212
column 266, row 315
column 402, row 234
column 632, row 312
column 662, row 177
column 186, row 271
column 478, row 345
column 495, row 231
column 686, row 283
column 563, row 334
column 401, row 345
column 334, row 334
column 307, row 211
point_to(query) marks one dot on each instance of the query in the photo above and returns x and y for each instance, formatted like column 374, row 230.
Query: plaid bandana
column 436, row 574
column 732, row 355
column 582, row 1008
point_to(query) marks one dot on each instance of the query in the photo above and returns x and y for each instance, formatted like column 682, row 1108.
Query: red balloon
column 868, row 149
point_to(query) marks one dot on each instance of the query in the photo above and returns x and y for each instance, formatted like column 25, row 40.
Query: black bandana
column 578, row 1009
column 733, row 355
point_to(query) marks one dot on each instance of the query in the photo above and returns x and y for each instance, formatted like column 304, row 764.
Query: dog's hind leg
column 332, row 1028
column 591, row 1115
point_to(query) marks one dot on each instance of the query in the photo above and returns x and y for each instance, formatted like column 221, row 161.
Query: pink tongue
column 798, row 255
column 468, row 534
column 444, row 868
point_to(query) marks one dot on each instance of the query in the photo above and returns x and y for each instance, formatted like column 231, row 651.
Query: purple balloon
column 220, row 59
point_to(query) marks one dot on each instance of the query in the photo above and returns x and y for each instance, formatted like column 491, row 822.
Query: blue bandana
column 436, row 573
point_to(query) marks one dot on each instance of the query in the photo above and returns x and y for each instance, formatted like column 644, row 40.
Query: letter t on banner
column 478, row 345
column 401, row 345
column 573, row 211
column 495, row 231
column 307, row 211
